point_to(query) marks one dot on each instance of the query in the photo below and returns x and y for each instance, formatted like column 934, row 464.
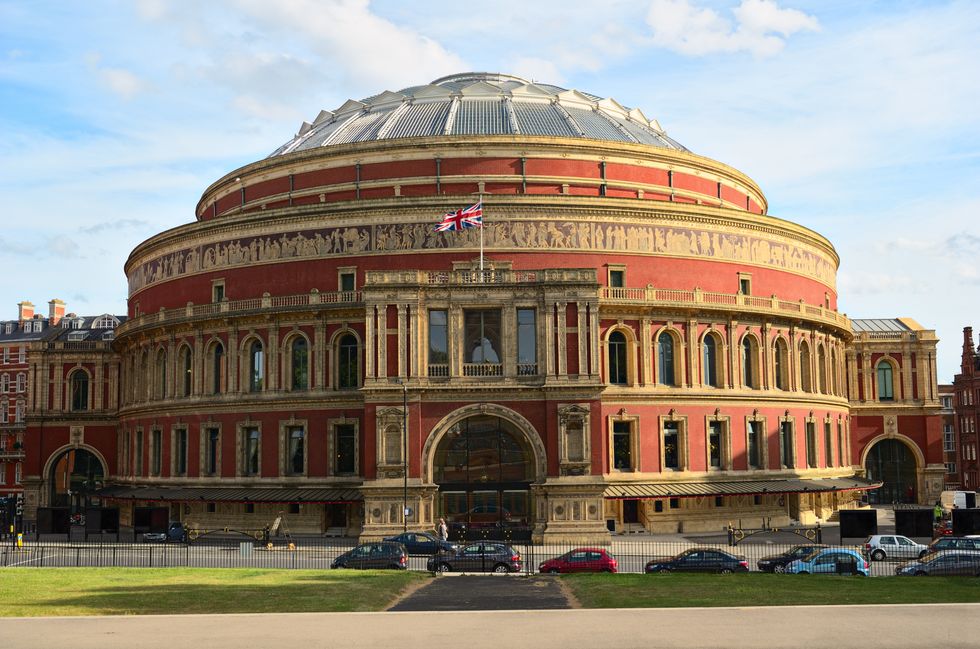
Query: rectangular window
column 156, row 451
column 481, row 341
column 249, row 508
column 671, row 442
column 786, row 444
column 296, row 453
column 22, row 354
column 617, row 278
column 6, row 355
column 438, row 343
column 347, row 281
column 18, row 472
column 840, row 443
column 218, row 292
column 251, row 441
column 714, row 444
column 3, row 474
column 754, row 444
column 139, row 453
column 211, row 508
column 180, row 452
column 293, row 508
column 828, row 450
column 811, row 445
column 212, row 437
column 527, row 342
column 622, row 446
column 345, row 461
column 745, row 284
column 949, row 441
column 675, row 503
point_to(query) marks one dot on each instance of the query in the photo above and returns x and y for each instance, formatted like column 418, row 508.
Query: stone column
column 198, row 360
column 690, row 377
column 382, row 368
column 549, row 328
column 594, row 338
column 646, row 353
column 319, row 377
column 98, row 385
column 370, row 318
column 562, row 368
column 231, row 362
column 733, row 355
column 866, row 376
column 272, row 370
column 583, row 340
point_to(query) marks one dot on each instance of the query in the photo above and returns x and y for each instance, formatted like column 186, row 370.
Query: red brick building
column 630, row 340
column 966, row 390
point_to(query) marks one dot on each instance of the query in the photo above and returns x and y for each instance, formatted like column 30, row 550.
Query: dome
column 479, row 103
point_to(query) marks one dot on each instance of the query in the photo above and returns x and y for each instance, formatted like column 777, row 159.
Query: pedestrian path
column 486, row 593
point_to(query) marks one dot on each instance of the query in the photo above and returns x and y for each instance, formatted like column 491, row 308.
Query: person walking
column 443, row 530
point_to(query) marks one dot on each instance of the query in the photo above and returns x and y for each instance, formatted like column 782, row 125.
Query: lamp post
column 405, row 455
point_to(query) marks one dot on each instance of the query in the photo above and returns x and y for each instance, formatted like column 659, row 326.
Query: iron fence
column 317, row 553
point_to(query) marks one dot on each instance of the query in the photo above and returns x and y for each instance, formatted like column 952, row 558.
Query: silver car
column 892, row 546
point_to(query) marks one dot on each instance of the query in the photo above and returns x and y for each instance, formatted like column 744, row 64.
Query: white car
column 892, row 546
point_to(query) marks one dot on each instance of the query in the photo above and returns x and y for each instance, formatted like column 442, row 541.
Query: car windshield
column 929, row 558
column 810, row 556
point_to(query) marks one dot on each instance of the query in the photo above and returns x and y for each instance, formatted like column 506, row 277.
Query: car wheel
column 803, row 572
column 553, row 571
column 923, row 553
column 725, row 571
column 664, row 571
column 501, row 569
column 921, row 573
column 443, row 567
column 779, row 569
column 878, row 555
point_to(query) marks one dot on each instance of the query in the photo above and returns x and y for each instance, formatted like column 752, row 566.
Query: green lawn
column 640, row 591
column 149, row 591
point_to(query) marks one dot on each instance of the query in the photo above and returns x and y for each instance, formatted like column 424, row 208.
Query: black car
column 699, row 560
column 374, row 556
column 477, row 557
column 422, row 543
column 952, row 543
column 777, row 562
column 176, row 533
column 944, row 563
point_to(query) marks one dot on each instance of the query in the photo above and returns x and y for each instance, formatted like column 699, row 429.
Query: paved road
column 950, row 626
column 486, row 593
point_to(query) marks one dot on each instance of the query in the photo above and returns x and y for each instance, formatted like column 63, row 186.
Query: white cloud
column 761, row 27
column 122, row 82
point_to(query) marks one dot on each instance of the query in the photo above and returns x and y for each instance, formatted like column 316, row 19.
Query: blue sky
column 858, row 119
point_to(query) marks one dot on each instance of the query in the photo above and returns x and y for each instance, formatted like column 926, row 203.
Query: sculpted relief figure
column 517, row 233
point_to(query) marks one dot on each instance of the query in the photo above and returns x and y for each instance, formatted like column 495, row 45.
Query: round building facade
column 630, row 342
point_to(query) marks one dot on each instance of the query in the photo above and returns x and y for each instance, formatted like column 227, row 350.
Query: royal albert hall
column 643, row 348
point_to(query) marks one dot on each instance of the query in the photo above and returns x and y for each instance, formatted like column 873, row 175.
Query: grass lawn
column 149, row 591
column 639, row 591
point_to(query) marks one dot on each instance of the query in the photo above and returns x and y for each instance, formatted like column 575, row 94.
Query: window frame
column 286, row 430
column 885, row 363
column 344, row 361
column 176, row 431
column 790, row 452
column 245, row 430
column 633, row 422
column 80, row 398
column 207, row 458
column 725, row 442
column 763, row 445
column 683, row 450
column 333, row 445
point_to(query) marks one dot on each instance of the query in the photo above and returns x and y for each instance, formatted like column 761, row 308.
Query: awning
column 631, row 490
column 229, row 494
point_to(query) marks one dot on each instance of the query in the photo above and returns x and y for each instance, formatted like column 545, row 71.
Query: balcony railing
column 483, row 369
column 730, row 301
column 438, row 369
column 231, row 307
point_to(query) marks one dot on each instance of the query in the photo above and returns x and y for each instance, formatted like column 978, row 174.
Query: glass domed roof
column 479, row 103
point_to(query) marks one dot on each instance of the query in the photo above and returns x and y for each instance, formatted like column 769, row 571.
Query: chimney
column 25, row 310
column 966, row 364
column 56, row 311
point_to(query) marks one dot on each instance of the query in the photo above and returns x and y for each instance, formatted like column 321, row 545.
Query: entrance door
column 631, row 511
column 336, row 515
column 892, row 462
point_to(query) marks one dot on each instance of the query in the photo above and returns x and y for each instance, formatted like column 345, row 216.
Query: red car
column 581, row 560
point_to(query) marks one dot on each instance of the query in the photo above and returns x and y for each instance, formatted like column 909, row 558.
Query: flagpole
column 481, row 236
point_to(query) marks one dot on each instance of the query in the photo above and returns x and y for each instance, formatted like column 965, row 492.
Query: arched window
column 781, row 365
column 618, row 372
column 709, row 361
column 822, row 369
column 750, row 369
column 21, row 382
column 806, row 378
column 886, row 387
column 299, row 364
column 161, row 375
column 665, row 352
column 348, row 372
column 217, row 364
column 79, row 390
column 256, row 366
column 186, row 371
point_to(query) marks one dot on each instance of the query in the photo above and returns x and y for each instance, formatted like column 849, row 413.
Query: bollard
column 20, row 539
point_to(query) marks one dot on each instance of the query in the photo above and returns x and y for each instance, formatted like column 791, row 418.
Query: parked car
column 581, row 560
column 477, row 557
column 777, row 562
column 421, row 543
column 952, row 543
column 370, row 556
column 830, row 561
column 892, row 546
column 946, row 562
column 699, row 560
column 176, row 533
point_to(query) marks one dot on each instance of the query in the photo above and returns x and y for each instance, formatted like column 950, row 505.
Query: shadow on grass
column 226, row 591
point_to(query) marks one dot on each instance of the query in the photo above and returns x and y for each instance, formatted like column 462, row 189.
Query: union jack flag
column 470, row 217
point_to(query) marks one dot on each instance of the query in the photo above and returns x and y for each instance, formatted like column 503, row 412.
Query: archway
column 893, row 463
column 484, row 467
column 72, row 477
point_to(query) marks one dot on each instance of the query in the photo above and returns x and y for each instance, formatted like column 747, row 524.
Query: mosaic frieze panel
column 567, row 235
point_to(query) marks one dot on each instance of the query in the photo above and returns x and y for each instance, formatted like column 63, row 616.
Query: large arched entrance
column 74, row 476
column 484, row 468
column 893, row 463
